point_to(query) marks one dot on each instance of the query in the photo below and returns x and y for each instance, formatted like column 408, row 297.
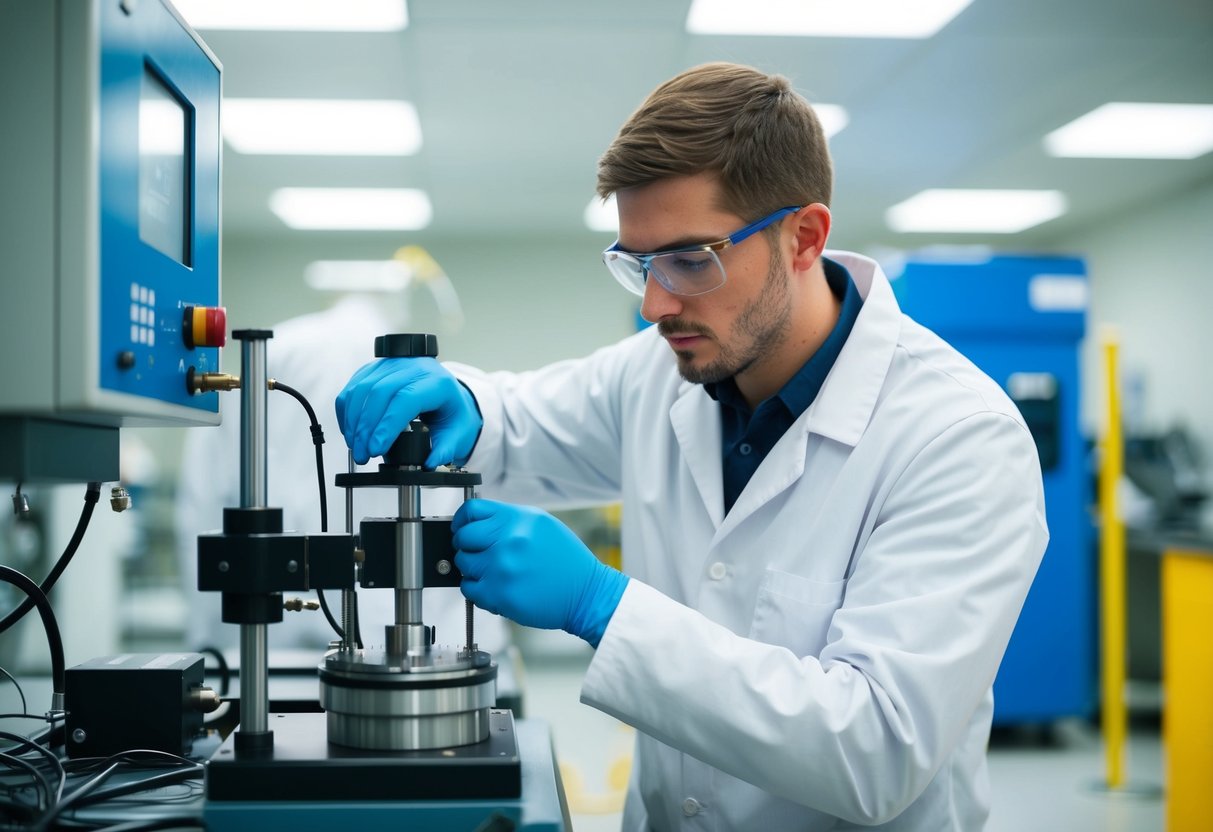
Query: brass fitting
column 298, row 605
column 205, row 382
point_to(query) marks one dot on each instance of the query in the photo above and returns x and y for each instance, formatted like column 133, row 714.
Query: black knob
column 406, row 345
column 411, row 447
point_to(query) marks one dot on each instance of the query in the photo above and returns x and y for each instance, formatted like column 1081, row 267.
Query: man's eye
column 689, row 264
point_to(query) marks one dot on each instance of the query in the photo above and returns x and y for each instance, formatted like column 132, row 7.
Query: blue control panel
column 159, row 160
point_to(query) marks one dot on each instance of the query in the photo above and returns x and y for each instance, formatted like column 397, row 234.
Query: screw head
column 292, row 566
column 79, row 735
column 443, row 567
column 224, row 566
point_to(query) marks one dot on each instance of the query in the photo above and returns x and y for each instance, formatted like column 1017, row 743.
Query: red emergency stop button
column 204, row 326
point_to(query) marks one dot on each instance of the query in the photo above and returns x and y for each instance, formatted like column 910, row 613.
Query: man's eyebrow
column 674, row 245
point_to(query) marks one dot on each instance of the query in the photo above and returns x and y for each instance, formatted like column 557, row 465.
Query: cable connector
column 120, row 498
column 20, row 504
column 197, row 382
column 298, row 605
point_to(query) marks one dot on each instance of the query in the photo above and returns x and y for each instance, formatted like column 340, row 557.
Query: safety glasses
column 686, row 271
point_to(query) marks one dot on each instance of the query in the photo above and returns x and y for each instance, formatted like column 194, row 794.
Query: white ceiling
column 517, row 100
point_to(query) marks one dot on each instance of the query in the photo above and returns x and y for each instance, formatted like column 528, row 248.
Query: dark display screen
column 164, row 213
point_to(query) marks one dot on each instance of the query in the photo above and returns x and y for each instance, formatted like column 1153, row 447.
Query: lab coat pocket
column 795, row 612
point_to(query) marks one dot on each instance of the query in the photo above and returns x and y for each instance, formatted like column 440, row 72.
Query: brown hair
column 752, row 130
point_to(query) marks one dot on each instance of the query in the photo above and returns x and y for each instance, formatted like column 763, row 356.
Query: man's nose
column 658, row 302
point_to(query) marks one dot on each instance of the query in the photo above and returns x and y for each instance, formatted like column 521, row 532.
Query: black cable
column 65, row 803
column 40, row 782
column 38, row 598
column 318, row 442
column 34, row 745
column 17, row 685
column 92, row 493
column 164, row 779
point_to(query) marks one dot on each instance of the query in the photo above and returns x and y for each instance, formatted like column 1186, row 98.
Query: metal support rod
column 468, row 607
column 347, row 595
column 253, row 424
column 254, row 659
column 408, row 635
column 254, row 684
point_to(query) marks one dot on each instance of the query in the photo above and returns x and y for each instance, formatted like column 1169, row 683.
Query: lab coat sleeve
column 860, row 730
column 552, row 436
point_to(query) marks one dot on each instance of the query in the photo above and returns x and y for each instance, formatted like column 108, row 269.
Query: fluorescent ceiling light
column 1137, row 131
column 296, row 15
column 349, row 209
column 832, row 117
column 357, row 275
column 823, row 18
column 975, row 211
column 602, row 215
column 321, row 128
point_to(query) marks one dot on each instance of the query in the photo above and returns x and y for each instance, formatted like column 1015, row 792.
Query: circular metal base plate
column 376, row 701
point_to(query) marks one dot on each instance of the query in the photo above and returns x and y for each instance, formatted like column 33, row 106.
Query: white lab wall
column 1152, row 279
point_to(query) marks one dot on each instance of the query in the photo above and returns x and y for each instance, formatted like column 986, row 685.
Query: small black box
column 133, row 700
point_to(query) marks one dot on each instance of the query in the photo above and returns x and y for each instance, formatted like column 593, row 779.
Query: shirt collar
column 800, row 390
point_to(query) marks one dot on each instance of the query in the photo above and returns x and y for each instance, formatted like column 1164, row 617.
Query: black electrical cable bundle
column 91, row 495
column 318, row 442
column 98, row 770
column 37, row 598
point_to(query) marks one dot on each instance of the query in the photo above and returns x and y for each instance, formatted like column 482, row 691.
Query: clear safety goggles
column 686, row 271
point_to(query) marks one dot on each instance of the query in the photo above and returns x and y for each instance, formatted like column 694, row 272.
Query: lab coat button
column 690, row 807
column 717, row 571
column 745, row 448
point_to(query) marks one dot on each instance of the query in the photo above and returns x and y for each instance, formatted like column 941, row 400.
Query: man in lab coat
column 830, row 518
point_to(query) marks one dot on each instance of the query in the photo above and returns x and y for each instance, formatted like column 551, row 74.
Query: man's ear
column 810, row 230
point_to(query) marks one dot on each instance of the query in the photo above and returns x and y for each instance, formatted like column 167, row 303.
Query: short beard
column 756, row 332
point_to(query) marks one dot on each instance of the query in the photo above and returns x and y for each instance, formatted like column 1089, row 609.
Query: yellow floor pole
column 1112, row 576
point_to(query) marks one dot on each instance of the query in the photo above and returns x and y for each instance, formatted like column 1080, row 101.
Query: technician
column 830, row 517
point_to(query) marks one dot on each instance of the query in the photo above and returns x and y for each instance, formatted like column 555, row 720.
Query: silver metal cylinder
column 469, row 609
column 347, row 595
column 439, row 700
column 253, row 424
column 254, row 683
column 408, row 606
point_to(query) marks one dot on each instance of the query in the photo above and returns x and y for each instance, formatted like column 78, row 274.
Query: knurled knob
column 406, row 345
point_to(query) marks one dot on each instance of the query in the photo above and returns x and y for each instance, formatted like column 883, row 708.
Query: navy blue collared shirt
column 748, row 436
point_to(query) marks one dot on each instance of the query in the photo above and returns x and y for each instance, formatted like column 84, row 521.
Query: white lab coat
column 316, row 354
column 822, row 656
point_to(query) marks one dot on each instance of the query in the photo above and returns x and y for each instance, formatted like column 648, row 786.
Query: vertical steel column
column 408, row 634
column 347, row 595
column 254, row 663
column 469, row 608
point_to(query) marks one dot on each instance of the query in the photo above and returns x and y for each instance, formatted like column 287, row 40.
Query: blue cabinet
column 1021, row 320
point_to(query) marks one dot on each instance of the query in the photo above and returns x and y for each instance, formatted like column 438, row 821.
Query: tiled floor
column 1038, row 785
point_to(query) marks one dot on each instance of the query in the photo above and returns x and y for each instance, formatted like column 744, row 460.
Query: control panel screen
column 164, row 213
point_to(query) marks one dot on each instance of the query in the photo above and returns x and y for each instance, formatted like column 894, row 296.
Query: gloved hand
column 380, row 400
column 528, row 566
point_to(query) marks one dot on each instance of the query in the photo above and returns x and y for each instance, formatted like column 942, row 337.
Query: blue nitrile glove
column 380, row 400
column 525, row 564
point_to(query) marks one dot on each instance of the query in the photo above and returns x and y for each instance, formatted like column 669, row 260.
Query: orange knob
column 204, row 326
